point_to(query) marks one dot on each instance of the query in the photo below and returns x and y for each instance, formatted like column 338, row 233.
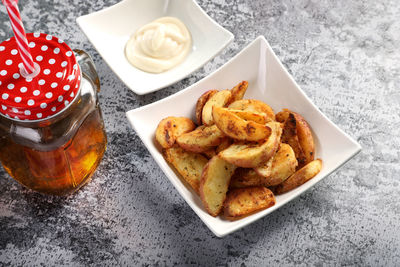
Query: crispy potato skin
column 280, row 167
column 201, row 102
column 219, row 99
column 300, row 177
column 289, row 136
column 303, row 143
column 245, row 177
column 170, row 128
column 214, row 184
column 201, row 139
column 237, row 128
column 189, row 165
column 251, row 155
column 244, row 201
column 253, row 105
column 238, row 91
column 305, row 137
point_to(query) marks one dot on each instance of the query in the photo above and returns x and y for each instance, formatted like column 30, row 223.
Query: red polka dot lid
column 50, row 91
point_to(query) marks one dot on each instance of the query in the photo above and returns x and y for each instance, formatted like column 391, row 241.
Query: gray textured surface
column 344, row 54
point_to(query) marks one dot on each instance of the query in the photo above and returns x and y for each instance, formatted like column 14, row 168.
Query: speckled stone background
column 344, row 54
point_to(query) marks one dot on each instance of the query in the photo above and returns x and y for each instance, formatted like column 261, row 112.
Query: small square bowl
column 110, row 29
column 268, row 81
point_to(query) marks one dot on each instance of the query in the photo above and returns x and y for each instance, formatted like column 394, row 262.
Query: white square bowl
column 268, row 81
column 109, row 30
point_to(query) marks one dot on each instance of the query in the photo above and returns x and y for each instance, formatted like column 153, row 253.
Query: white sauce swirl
column 159, row 45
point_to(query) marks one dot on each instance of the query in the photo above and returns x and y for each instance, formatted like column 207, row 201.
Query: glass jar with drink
column 52, row 135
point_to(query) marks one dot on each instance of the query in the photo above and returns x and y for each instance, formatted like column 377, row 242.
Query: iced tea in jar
column 52, row 135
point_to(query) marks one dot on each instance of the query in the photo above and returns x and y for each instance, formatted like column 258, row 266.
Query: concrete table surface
column 346, row 57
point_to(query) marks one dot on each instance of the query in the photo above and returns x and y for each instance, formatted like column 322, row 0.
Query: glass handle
column 87, row 67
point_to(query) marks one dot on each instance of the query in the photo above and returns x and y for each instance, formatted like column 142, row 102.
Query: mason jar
column 52, row 135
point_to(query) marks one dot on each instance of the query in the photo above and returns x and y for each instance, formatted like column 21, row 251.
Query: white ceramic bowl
column 268, row 81
column 109, row 30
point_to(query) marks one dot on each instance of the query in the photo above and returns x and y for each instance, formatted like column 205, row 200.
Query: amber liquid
column 60, row 171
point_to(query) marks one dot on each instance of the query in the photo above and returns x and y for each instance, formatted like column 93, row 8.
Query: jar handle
column 87, row 66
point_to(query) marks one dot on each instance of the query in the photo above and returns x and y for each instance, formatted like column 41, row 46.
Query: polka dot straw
column 20, row 36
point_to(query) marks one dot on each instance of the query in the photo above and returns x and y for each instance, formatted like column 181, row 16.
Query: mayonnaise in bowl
column 159, row 46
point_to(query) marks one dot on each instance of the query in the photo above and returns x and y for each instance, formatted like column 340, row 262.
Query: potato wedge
column 305, row 137
column 170, row 128
column 300, row 177
column 201, row 139
column 283, row 165
column 244, row 177
column 245, row 201
column 280, row 167
column 219, row 99
column 289, row 136
column 258, row 117
column 238, row 91
column 189, row 165
column 251, row 155
column 201, row 102
column 214, row 184
column 237, row 128
column 303, row 131
column 253, row 105
column 297, row 133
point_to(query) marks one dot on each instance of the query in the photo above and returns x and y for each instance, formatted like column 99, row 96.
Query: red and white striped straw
column 20, row 36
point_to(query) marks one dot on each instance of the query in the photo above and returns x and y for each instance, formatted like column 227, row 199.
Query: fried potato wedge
column 244, row 177
column 201, row 139
column 238, row 91
column 300, row 177
column 297, row 134
column 258, row 117
column 253, row 105
column 170, row 128
column 219, row 99
column 280, row 167
column 201, row 102
column 305, row 137
column 237, row 128
column 289, row 136
column 245, row 201
column 251, row 155
column 214, row 184
column 283, row 165
column 189, row 165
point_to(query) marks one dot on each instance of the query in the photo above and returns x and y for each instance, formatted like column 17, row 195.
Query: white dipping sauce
column 159, row 45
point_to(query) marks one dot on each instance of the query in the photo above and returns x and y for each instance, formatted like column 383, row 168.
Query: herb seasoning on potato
column 240, row 153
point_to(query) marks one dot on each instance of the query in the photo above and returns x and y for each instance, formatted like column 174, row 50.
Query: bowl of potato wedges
column 236, row 150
